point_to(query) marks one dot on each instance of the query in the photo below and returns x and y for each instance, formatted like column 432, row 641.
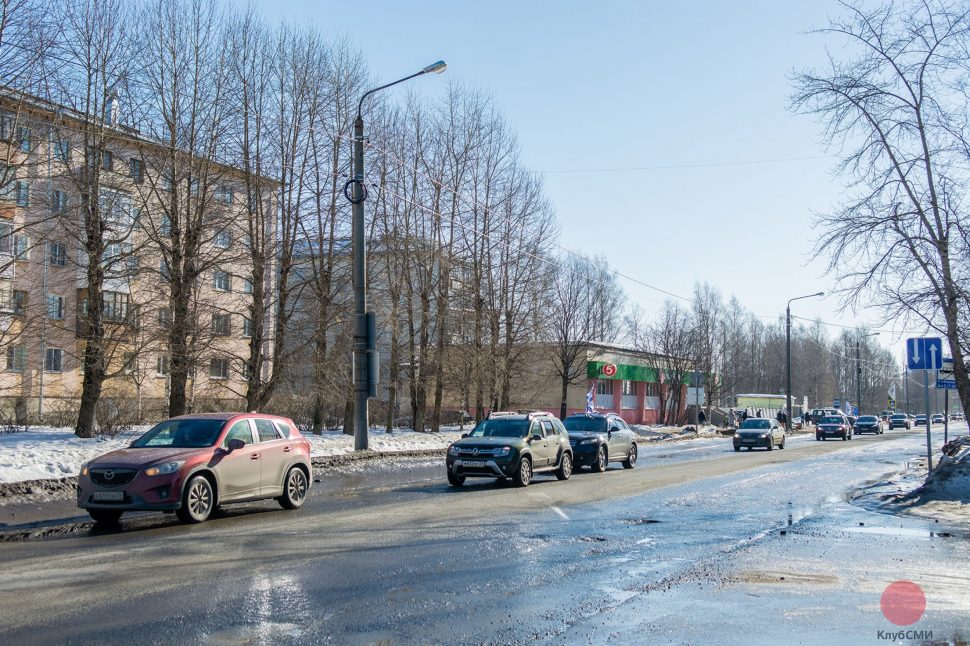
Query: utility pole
column 366, row 362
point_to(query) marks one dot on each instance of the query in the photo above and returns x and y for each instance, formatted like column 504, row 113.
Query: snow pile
column 43, row 452
column 664, row 433
column 950, row 479
column 336, row 443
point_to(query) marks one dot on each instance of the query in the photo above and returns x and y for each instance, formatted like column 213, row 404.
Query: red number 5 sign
column 609, row 369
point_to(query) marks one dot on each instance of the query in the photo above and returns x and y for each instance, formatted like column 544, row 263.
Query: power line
column 719, row 164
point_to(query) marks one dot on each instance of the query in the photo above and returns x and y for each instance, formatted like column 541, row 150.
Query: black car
column 868, row 424
column 598, row 439
column 833, row 426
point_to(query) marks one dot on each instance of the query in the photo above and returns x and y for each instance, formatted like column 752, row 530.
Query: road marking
column 559, row 511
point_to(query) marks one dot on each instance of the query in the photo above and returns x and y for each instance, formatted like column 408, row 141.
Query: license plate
column 116, row 496
column 473, row 463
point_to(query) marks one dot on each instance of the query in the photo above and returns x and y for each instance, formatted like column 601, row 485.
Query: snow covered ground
column 44, row 452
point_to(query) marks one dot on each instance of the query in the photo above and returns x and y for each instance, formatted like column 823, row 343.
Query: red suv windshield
column 181, row 434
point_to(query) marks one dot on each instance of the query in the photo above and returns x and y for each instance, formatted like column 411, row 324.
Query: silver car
column 760, row 432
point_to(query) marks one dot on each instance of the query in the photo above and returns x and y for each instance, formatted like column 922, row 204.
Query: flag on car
column 590, row 408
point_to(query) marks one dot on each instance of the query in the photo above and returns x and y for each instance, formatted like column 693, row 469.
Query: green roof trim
column 624, row 372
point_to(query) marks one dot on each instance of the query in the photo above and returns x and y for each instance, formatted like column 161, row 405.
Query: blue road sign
column 835, row 403
column 925, row 353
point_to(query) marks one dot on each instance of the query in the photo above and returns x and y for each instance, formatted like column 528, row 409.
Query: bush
column 61, row 412
column 115, row 415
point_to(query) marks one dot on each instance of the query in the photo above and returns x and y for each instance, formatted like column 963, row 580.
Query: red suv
column 193, row 464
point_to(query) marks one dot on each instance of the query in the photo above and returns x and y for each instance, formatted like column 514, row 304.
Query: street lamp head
column 820, row 294
column 436, row 68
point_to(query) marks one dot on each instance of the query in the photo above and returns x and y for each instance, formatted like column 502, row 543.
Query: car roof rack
column 501, row 413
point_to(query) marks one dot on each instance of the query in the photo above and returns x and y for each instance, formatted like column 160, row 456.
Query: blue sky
column 695, row 88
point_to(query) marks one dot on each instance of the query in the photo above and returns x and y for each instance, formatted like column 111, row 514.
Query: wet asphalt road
column 687, row 548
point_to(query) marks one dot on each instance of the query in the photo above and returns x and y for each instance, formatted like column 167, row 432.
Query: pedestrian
column 701, row 418
column 732, row 418
column 761, row 413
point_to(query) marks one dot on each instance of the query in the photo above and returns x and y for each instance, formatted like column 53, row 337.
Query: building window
column 6, row 238
column 23, row 193
column 164, row 272
column 247, row 286
column 55, row 307
column 247, row 327
column 23, row 139
column 116, row 307
column 105, row 159
column 58, row 201
column 629, row 388
column 166, row 229
column 136, row 169
column 653, row 389
column 221, row 324
column 62, row 150
column 223, row 239
column 604, row 387
column 223, row 194
column 19, row 302
column 165, row 317
column 219, row 368
column 16, row 358
column 53, row 360
column 115, row 206
column 21, row 246
column 163, row 366
column 56, row 254
column 6, row 127
column 194, row 186
column 220, row 281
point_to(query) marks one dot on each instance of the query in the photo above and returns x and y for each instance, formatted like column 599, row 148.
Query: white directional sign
column 924, row 353
column 944, row 376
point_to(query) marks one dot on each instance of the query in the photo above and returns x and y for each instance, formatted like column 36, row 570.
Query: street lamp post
column 788, row 355
column 858, row 370
column 366, row 365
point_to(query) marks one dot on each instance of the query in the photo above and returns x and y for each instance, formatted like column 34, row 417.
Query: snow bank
column 45, row 453
column 950, row 479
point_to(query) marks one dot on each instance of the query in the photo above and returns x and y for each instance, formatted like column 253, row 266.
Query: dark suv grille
column 476, row 453
column 112, row 477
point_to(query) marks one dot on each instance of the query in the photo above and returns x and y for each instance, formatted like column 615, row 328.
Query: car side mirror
column 235, row 444
column 536, row 438
column 464, row 435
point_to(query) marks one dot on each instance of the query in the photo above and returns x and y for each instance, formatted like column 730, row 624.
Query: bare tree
column 896, row 106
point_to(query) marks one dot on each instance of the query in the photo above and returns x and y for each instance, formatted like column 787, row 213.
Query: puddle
column 909, row 532
column 640, row 521
column 592, row 539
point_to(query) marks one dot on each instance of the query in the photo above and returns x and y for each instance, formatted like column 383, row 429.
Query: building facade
column 49, row 170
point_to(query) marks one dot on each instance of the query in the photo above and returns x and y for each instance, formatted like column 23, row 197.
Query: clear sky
column 680, row 95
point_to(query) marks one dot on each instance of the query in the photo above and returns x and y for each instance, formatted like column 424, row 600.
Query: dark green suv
column 511, row 445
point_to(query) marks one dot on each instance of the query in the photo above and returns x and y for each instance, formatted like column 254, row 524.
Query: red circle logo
column 903, row 603
column 609, row 369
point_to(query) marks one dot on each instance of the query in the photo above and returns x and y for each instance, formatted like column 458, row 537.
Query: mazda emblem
column 109, row 475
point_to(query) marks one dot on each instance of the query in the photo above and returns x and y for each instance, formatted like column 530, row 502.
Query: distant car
column 939, row 419
column 885, row 415
column 598, row 439
column 759, row 432
column 195, row 463
column 833, row 426
column 900, row 420
column 869, row 424
column 511, row 446
column 819, row 413
column 920, row 420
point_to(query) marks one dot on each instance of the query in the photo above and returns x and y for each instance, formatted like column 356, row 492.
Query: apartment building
column 47, row 168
